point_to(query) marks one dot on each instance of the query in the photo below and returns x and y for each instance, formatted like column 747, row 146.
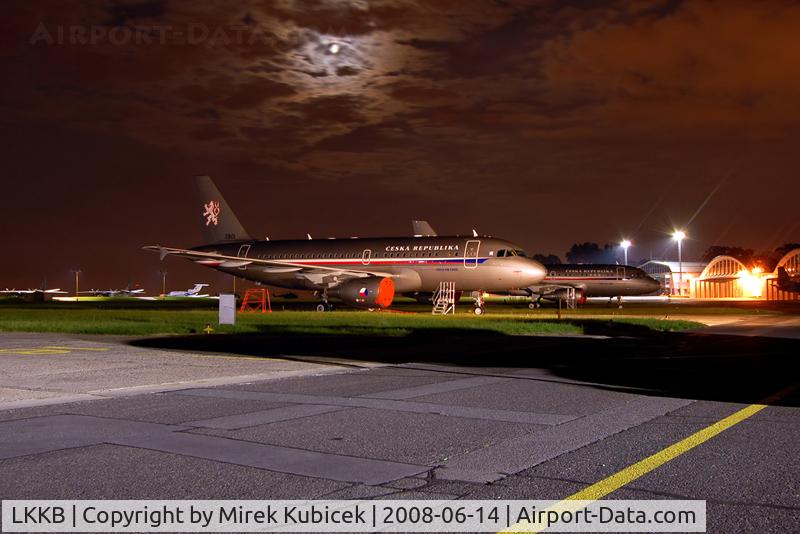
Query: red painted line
column 581, row 278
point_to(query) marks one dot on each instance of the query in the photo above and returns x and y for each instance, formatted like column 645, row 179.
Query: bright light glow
column 679, row 235
column 750, row 282
column 334, row 48
column 758, row 270
column 625, row 243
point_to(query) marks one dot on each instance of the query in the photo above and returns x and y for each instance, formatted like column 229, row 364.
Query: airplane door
column 366, row 256
column 244, row 250
column 620, row 273
column 471, row 250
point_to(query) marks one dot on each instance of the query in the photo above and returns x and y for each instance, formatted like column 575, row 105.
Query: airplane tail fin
column 220, row 224
column 422, row 229
column 196, row 289
column 783, row 277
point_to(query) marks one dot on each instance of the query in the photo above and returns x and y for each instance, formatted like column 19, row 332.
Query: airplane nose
column 533, row 272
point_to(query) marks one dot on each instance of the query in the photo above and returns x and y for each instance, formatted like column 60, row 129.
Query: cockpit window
column 508, row 253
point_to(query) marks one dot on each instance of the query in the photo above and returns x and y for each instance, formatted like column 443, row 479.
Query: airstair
column 444, row 300
column 256, row 300
column 571, row 301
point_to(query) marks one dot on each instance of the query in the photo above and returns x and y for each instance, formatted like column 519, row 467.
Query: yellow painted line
column 57, row 349
column 96, row 349
column 598, row 490
column 33, row 351
column 43, row 351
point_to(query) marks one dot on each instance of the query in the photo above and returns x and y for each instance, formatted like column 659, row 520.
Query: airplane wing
column 544, row 289
column 316, row 274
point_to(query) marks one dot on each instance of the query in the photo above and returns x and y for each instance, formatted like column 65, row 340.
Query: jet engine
column 372, row 292
column 563, row 294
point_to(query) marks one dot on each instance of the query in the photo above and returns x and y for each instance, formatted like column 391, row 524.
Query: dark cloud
column 121, row 13
column 252, row 93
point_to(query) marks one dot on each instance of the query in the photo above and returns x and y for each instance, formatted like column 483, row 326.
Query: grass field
column 138, row 318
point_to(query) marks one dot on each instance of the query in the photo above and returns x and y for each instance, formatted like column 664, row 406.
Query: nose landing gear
column 480, row 305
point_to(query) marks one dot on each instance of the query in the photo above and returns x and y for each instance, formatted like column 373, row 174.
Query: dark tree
column 745, row 255
column 549, row 259
column 583, row 253
column 786, row 247
column 591, row 253
column 768, row 260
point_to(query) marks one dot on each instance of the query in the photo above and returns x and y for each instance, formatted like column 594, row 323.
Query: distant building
column 667, row 274
column 725, row 277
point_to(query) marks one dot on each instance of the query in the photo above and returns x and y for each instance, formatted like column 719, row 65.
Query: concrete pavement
column 485, row 418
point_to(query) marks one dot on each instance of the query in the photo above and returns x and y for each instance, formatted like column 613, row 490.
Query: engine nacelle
column 372, row 292
column 563, row 294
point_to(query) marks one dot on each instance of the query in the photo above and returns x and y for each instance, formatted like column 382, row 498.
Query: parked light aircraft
column 24, row 292
column 127, row 292
column 192, row 292
column 360, row 272
column 40, row 294
column 580, row 280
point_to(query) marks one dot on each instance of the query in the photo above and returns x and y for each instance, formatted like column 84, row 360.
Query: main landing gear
column 535, row 304
column 480, row 305
column 325, row 305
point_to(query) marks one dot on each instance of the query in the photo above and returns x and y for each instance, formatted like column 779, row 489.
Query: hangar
column 670, row 274
column 726, row 277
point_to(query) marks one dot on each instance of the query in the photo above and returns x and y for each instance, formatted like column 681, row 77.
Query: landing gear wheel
column 533, row 305
column 321, row 307
column 479, row 310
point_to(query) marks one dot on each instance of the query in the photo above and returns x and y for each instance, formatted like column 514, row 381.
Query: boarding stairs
column 256, row 300
column 444, row 300
column 571, row 301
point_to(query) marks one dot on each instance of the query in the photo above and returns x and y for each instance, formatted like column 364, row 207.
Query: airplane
column 114, row 292
column 38, row 294
column 363, row 273
column 591, row 280
column 28, row 292
column 192, row 292
column 23, row 292
column 787, row 282
column 579, row 280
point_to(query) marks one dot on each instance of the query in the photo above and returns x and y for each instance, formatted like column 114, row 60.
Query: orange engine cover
column 372, row 292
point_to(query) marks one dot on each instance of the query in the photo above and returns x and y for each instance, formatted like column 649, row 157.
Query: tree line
column 609, row 253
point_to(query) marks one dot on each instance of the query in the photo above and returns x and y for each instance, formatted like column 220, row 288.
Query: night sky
column 546, row 123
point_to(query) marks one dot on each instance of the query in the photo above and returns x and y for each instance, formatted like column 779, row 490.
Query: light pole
column 163, row 283
column 77, row 273
column 625, row 244
column 679, row 236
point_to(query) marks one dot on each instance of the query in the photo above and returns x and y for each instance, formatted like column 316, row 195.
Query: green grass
column 142, row 320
